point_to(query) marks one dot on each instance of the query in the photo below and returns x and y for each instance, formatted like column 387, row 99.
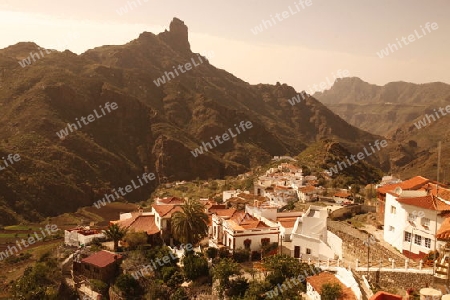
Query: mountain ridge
column 153, row 130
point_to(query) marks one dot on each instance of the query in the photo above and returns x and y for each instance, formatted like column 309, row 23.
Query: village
column 400, row 248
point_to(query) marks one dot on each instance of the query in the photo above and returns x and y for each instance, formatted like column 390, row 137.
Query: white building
column 285, row 221
column 411, row 220
column 81, row 236
column 310, row 237
column 232, row 193
column 237, row 229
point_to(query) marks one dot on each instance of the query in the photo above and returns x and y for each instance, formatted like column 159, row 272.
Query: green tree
column 99, row 286
column 191, row 224
column 115, row 233
column 128, row 286
column 237, row 287
column 195, row 266
column 38, row 282
column 135, row 239
column 331, row 291
column 222, row 272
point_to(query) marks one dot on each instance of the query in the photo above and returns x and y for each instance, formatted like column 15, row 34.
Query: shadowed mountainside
column 154, row 129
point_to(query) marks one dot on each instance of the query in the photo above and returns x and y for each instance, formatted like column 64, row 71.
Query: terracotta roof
column 166, row 210
column 385, row 296
column 342, row 194
column 414, row 183
column 243, row 221
column 443, row 232
column 102, row 258
column 287, row 222
column 216, row 206
column 318, row 280
column 171, row 200
column 279, row 187
column 427, row 202
column 140, row 224
column 308, row 189
column 443, row 192
column 228, row 212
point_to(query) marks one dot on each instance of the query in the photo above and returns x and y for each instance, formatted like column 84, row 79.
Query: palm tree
column 191, row 224
column 115, row 233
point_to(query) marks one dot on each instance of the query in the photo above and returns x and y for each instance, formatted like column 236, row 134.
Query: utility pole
column 367, row 243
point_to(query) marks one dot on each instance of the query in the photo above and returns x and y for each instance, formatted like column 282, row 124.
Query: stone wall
column 348, row 211
column 398, row 282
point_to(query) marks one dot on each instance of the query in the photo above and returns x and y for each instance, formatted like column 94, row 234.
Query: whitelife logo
column 91, row 118
column 291, row 282
column 39, row 54
column 225, row 136
column 161, row 262
column 187, row 67
column 128, row 189
column 11, row 159
column 360, row 156
column 49, row 228
column 427, row 120
column 130, row 4
column 411, row 38
column 265, row 24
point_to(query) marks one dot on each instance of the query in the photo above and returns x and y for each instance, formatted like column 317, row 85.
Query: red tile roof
column 287, row 222
column 385, row 296
column 172, row 200
column 414, row 183
column 342, row 194
column 246, row 221
column 102, row 258
column 444, row 231
column 166, row 210
column 228, row 212
column 139, row 223
column 308, row 189
column 426, row 202
column 318, row 280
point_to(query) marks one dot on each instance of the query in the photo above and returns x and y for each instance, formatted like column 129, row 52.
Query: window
column 427, row 242
column 408, row 237
column 265, row 241
column 247, row 243
column 412, row 217
column 417, row 239
column 308, row 251
column 425, row 222
column 391, row 228
column 393, row 210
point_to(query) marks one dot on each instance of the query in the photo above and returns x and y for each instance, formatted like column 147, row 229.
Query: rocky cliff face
column 154, row 129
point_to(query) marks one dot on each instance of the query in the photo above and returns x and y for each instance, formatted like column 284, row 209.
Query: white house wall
column 396, row 221
column 335, row 243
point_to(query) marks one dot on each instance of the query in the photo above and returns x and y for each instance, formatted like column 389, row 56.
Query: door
column 297, row 252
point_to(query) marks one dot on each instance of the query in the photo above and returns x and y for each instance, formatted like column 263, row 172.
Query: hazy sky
column 308, row 45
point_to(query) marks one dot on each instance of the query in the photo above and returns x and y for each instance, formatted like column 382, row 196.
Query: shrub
column 195, row 266
column 212, row 252
column 224, row 253
column 241, row 255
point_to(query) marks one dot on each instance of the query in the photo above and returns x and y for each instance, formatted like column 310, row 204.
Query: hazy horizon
column 308, row 46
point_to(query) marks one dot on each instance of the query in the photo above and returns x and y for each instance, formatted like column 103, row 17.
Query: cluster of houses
column 415, row 215
column 285, row 183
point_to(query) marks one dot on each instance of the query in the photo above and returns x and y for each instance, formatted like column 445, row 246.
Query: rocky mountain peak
column 177, row 36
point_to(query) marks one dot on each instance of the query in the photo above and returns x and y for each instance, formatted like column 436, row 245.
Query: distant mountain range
column 382, row 109
column 398, row 111
column 154, row 129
